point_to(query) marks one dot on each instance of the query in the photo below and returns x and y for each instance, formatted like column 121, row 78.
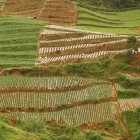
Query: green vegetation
column 8, row 132
column 117, row 4
column 129, row 94
column 103, row 68
column 39, row 130
column 132, row 120
column 121, row 22
column 132, row 45
column 18, row 41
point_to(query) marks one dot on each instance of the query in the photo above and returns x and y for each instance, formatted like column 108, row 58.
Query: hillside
column 69, row 70
column 118, row 22
column 85, row 14
column 21, row 35
column 38, row 130
column 115, row 4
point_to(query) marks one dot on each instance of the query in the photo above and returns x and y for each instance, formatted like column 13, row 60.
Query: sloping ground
column 129, row 104
column 59, row 12
column 18, row 41
column 23, row 7
column 58, row 98
column 68, row 99
column 85, row 114
column 2, row 5
column 127, row 22
column 60, row 45
column 9, row 132
column 37, row 130
column 136, row 60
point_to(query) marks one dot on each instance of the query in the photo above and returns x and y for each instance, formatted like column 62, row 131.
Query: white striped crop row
column 87, row 37
column 129, row 104
column 53, row 32
column 43, row 82
column 76, row 115
column 77, row 56
column 91, row 36
column 41, row 100
column 54, row 49
column 131, row 77
column 119, row 87
column 77, row 30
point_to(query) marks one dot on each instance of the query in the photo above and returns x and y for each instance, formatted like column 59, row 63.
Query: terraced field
column 48, row 93
column 55, row 98
column 40, row 75
column 81, row 13
column 60, row 45
column 77, row 115
column 23, row 8
column 43, row 10
column 121, row 22
column 60, row 12
column 18, row 41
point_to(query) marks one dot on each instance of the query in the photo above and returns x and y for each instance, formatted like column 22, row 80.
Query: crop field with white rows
column 77, row 56
column 69, row 42
column 130, row 76
column 55, row 49
column 76, row 115
column 7, row 82
column 41, row 100
column 129, row 104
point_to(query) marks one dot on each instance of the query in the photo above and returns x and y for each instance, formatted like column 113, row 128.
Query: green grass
column 18, row 41
column 40, row 130
column 8, row 132
column 132, row 120
column 121, row 22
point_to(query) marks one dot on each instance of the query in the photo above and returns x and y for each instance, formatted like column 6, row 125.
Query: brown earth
column 136, row 60
column 59, row 12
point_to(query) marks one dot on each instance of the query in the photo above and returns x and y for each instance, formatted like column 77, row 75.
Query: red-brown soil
column 59, row 12
column 23, row 7
column 136, row 60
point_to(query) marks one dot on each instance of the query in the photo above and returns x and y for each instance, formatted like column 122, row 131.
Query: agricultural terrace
column 59, row 12
column 78, row 70
column 77, row 115
column 60, row 45
column 23, row 8
column 18, row 41
column 57, row 97
column 46, row 10
column 120, row 22
column 129, row 104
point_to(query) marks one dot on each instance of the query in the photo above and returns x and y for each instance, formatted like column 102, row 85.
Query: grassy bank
column 121, row 22
column 18, row 41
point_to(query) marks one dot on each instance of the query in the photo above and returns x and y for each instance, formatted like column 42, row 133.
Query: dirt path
column 120, row 113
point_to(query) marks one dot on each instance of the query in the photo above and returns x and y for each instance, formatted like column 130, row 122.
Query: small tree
column 132, row 45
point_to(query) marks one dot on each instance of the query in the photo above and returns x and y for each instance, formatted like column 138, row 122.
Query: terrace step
column 59, row 12
column 77, row 115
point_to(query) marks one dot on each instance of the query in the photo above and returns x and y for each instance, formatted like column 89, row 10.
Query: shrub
column 129, row 94
column 136, row 136
column 33, row 125
column 94, row 135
